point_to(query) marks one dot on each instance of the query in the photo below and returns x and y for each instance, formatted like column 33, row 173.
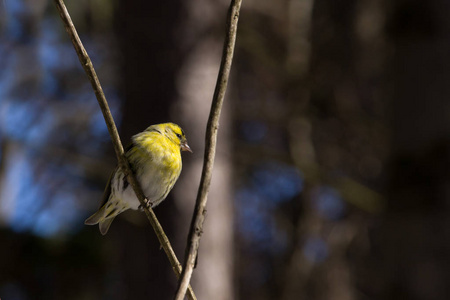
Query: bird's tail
column 103, row 217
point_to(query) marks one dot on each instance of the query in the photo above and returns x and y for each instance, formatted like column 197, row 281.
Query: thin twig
column 210, row 150
column 123, row 162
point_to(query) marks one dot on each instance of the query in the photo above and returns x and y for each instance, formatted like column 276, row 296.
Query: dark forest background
column 332, row 172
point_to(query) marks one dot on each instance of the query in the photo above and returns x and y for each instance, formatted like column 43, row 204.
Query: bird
column 155, row 158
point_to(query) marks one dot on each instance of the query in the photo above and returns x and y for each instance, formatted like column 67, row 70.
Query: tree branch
column 210, row 150
column 123, row 162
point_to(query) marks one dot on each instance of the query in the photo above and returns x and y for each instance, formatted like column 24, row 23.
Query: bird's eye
column 178, row 135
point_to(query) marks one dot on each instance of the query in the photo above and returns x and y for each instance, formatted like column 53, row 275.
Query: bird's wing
column 107, row 191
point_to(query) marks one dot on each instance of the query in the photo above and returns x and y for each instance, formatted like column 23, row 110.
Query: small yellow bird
column 155, row 157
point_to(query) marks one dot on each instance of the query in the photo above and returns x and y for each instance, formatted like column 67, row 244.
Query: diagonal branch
column 210, row 150
column 123, row 162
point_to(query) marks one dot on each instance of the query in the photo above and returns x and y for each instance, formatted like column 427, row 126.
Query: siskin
column 155, row 158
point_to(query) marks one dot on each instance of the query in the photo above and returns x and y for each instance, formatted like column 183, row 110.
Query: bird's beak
column 185, row 147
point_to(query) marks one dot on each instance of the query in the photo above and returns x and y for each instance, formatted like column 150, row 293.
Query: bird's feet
column 148, row 205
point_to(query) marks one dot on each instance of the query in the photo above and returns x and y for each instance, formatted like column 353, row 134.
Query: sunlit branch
column 123, row 162
column 198, row 217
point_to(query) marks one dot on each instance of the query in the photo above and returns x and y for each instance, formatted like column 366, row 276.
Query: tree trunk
column 146, row 36
column 415, row 235
column 213, row 277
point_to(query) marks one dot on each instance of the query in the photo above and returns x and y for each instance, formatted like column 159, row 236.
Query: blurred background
column 331, row 178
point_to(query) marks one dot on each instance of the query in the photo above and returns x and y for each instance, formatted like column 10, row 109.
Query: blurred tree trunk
column 415, row 235
column 145, row 32
column 333, row 99
column 204, row 31
column 166, row 53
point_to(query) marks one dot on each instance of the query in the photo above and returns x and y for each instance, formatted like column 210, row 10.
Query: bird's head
column 174, row 133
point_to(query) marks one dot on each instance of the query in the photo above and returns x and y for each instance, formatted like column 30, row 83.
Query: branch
column 123, row 162
column 210, row 150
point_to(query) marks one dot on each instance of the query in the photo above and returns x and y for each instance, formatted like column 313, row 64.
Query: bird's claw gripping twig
column 148, row 205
